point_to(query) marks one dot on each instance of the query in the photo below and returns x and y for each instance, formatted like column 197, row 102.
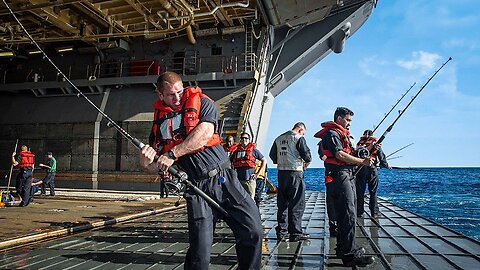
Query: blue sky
column 401, row 43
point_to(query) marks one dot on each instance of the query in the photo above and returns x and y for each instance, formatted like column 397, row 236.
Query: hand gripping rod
column 124, row 133
column 403, row 111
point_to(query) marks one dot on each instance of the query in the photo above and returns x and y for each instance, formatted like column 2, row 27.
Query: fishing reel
column 362, row 152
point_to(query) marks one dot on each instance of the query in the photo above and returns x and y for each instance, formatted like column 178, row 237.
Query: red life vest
column 171, row 127
column 243, row 156
column 344, row 137
column 27, row 159
column 368, row 142
column 231, row 149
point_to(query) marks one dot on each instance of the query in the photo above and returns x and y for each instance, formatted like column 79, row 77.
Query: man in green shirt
column 50, row 168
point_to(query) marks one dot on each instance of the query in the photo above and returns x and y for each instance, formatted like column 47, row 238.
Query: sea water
column 448, row 196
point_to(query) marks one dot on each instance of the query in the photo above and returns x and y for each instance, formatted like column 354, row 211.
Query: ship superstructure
column 241, row 53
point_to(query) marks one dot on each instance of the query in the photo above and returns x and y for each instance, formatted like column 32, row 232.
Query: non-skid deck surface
column 397, row 238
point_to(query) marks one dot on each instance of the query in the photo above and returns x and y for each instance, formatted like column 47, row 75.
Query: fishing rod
column 401, row 113
column 11, row 168
column 417, row 169
column 393, row 107
column 394, row 152
column 395, row 157
column 408, row 105
column 136, row 142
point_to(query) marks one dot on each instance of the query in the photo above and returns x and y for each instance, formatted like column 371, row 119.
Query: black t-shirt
column 197, row 165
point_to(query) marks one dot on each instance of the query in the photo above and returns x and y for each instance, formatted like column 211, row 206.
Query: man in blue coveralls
column 184, row 132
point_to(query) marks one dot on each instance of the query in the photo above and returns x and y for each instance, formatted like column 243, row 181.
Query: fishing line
column 180, row 175
column 396, row 151
column 393, row 107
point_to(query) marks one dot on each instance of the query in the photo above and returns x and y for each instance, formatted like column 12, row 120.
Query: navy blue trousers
column 344, row 199
column 49, row 181
column 244, row 221
column 163, row 189
column 290, row 203
column 260, row 188
column 368, row 176
column 24, row 184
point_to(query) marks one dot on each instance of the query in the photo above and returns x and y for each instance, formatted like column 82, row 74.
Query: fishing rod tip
column 449, row 58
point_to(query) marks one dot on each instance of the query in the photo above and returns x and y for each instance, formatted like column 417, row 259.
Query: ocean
column 448, row 196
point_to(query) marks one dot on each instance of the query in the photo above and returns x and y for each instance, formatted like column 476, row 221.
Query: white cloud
column 421, row 60
column 461, row 43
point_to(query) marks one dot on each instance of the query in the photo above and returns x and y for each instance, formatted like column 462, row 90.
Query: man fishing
column 339, row 165
column 184, row 132
column 368, row 175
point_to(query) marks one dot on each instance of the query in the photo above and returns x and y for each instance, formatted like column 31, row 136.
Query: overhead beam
column 61, row 20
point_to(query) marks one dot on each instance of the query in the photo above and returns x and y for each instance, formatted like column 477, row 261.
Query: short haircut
column 342, row 111
column 368, row 132
column 245, row 133
column 24, row 148
column 228, row 137
column 299, row 125
column 167, row 77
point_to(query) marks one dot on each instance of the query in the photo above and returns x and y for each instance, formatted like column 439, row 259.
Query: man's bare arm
column 199, row 136
column 342, row 156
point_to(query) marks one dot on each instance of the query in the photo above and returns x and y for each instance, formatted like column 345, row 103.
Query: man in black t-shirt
column 198, row 151
column 339, row 164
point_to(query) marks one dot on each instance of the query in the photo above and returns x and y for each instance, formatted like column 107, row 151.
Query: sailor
column 332, row 218
column 184, row 132
column 292, row 156
column 25, row 161
column 243, row 161
column 368, row 175
column 339, row 164
column 229, row 145
column 163, row 187
column 261, row 179
column 50, row 168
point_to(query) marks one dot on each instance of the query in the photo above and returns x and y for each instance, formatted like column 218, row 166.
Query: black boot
column 357, row 258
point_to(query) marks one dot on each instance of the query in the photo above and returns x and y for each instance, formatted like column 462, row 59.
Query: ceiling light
column 6, row 54
column 34, row 51
column 64, row 49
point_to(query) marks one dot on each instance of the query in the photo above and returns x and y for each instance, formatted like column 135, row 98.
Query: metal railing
column 182, row 65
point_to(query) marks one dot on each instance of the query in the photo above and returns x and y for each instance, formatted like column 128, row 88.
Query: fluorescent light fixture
column 233, row 30
column 64, row 49
column 34, row 51
column 206, row 32
column 6, row 54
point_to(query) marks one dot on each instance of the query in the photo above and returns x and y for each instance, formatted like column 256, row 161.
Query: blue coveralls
column 24, row 184
column 368, row 176
column 204, row 169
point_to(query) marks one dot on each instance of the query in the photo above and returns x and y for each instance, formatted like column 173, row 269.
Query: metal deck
column 398, row 239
